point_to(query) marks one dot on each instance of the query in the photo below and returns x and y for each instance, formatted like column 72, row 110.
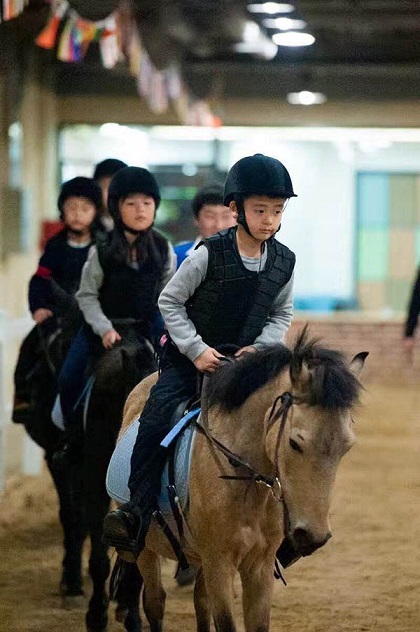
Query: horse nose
column 306, row 542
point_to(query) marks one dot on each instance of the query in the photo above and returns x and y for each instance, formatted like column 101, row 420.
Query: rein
column 273, row 482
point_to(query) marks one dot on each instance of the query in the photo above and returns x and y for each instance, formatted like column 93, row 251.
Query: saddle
column 172, row 503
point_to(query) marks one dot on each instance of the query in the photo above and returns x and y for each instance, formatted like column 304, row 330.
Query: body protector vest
column 232, row 304
column 129, row 292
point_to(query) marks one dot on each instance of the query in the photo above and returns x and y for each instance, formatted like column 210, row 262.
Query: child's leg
column 71, row 380
column 127, row 527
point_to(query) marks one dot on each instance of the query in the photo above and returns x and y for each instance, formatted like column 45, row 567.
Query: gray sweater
column 182, row 286
column 91, row 283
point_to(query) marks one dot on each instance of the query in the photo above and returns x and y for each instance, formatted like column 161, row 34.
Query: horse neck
column 244, row 430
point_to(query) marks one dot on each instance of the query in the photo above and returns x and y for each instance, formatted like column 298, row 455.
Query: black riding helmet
column 80, row 187
column 131, row 180
column 107, row 168
column 256, row 175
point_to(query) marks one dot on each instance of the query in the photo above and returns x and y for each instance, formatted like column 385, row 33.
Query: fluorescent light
column 251, row 33
column 264, row 48
column 271, row 8
column 305, row 97
column 284, row 24
column 293, row 38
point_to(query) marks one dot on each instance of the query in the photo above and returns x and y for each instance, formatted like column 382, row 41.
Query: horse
column 276, row 424
column 115, row 374
column 55, row 336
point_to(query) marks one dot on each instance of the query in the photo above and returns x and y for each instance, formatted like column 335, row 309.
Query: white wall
column 319, row 225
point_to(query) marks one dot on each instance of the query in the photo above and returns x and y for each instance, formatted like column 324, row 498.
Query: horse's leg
column 154, row 595
column 127, row 596
column 219, row 584
column 99, row 564
column 201, row 604
column 257, row 594
column 68, row 483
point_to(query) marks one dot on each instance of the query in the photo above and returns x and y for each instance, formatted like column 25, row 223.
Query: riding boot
column 70, row 448
column 126, row 528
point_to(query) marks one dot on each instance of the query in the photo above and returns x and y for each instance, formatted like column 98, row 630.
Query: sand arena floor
column 366, row 578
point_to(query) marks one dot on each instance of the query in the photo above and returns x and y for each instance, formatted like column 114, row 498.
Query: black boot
column 126, row 530
column 70, row 448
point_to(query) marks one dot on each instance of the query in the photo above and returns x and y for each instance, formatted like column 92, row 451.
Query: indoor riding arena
column 186, row 89
column 365, row 578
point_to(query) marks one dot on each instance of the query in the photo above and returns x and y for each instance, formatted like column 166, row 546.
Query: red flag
column 48, row 35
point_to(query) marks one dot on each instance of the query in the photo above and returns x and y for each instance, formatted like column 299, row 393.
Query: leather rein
column 273, row 482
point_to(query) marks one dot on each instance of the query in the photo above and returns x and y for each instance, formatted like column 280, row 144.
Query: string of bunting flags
column 119, row 42
column 10, row 9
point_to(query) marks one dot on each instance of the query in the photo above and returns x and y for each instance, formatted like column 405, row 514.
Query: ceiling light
column 305, row 97
column 251, row 32
column 263, row 48
column 271, row 8
column 284, row 24
column 293, row 38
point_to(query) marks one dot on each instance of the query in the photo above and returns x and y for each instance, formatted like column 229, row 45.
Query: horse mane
column 332, row 385
column 126, row 363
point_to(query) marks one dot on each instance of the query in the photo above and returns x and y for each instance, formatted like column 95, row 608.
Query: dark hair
column 151, row 248
column 210, row 194
column 108, row 168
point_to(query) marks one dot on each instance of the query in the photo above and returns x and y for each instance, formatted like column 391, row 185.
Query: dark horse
column 55, row 335
column 116, row 373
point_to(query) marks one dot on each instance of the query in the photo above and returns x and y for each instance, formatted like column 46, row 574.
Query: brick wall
column 387, row 362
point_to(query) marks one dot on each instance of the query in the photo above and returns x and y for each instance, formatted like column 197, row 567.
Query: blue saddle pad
column 119, row 468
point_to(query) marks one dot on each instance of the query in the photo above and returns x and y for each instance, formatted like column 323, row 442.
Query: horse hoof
column 121, row 613
column 186, row 577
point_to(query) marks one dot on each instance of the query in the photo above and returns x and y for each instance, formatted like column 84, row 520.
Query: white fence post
column 3, row 411
column 11, row 331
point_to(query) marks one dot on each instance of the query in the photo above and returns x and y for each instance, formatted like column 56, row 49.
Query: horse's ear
column 300, row 374
column 358, row 362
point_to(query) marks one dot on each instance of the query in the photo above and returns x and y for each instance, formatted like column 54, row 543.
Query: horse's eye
column 295, row 446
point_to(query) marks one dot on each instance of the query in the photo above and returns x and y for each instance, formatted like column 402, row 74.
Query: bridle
column 273, row 482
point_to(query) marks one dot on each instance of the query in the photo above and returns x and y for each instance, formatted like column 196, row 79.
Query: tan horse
column 287, row 413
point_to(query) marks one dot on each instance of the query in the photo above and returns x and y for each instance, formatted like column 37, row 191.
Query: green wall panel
column 373, row 200
column 373, row 255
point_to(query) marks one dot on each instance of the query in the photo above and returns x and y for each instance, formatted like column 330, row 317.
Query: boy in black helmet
column 236, row 288
column 103, row 174
column 122, row 277
column 80, row 205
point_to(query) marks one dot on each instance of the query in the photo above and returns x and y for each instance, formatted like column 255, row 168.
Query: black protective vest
column 232, row 304
column 128, row 292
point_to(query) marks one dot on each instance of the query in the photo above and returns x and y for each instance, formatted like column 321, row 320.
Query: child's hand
column 208, row 361
column 41, row 314
column 247, row 349
column 110, row 338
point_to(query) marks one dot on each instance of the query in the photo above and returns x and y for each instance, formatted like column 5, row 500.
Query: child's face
column 137, row 211
column 79, row 213
column 263, row 215
column 212, row 218
column 104, row 184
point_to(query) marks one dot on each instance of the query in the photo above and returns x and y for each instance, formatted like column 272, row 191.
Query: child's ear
column 234, row 209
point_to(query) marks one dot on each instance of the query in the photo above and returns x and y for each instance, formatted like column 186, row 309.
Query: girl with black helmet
column 80, row 205
column 122, row 277
column 235, row 289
